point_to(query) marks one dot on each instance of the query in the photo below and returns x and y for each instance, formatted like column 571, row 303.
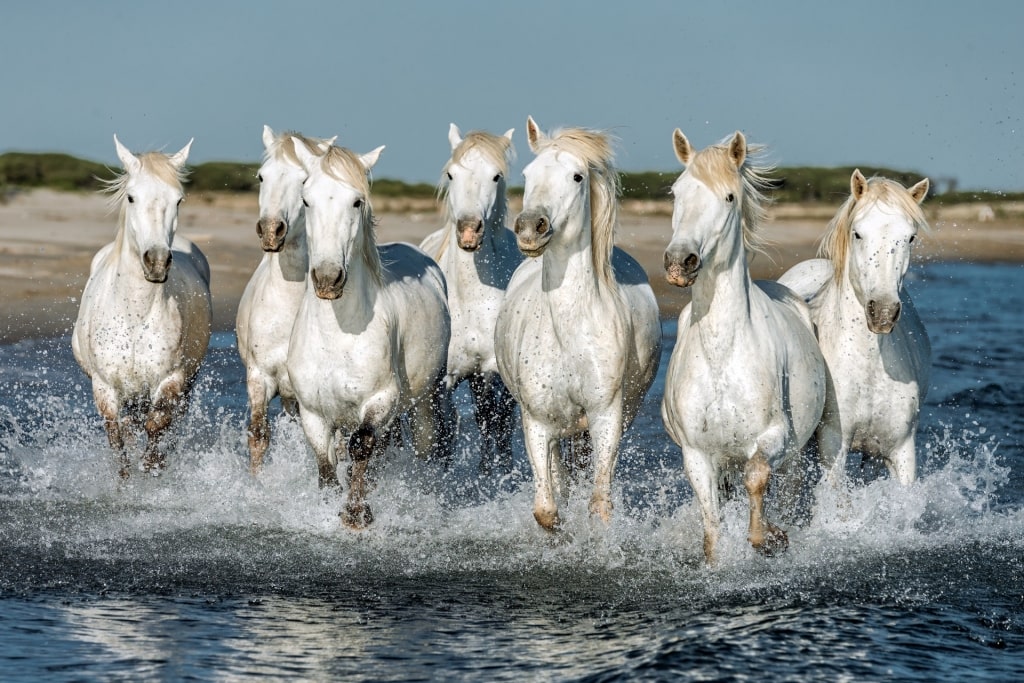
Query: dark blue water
column 207, row 573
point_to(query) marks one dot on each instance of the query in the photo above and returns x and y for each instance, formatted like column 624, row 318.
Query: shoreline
column 48, row 239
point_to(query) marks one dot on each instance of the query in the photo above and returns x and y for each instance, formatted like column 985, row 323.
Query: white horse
column 478, row 255
column 872, row 338
column 144, row 322
column 578, row 338
column 271, row 299
column 371, row 336
column 746, row 384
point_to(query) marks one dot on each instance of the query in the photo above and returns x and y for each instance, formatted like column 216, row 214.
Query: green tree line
column 789, row 184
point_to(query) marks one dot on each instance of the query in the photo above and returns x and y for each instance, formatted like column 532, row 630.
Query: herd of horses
column 365, row 342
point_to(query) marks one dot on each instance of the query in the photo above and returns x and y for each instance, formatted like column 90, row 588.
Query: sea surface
column 208, row 573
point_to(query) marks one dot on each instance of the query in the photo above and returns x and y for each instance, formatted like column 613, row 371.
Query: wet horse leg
column 540, row 446
column 605, row 435
column 259, row 424
column 108, row 406
column 432, row 420
column 357, row 514
column 494, row 410
column 320, row 435
column 171, row 402
column 766, row 538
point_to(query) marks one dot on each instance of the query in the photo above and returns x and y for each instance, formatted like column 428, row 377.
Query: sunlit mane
column 282, row 147
column 345, row 166
column 594, row 149
column 835, row 244
column 495, row 148
column 714, row 168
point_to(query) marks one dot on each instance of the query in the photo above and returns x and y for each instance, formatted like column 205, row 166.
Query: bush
column 58, row 171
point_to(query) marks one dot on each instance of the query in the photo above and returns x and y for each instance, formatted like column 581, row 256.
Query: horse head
column 281, row 177
column 339, row 223
column 883, row 220
column 150, row 191
column 474, row 181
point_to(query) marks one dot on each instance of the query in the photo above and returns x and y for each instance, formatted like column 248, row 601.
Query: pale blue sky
column 928, row 86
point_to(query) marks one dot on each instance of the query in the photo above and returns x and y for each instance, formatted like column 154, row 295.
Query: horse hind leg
column 765, row 537
column 432, row 422
column 356, row 514
column 259, row 423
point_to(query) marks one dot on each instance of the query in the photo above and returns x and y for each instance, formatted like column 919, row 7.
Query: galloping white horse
column 578, row 338
column 271, row 299
column 746, row 383
column 478, row 255
column 371, row 336
column 875, row 345
column 144, row 322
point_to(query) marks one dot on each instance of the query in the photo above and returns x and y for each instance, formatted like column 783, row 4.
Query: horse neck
column 722, row 290
column 465, row 265
column 568, row 277
column 129, row 261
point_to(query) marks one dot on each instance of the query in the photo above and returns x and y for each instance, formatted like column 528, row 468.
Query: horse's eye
column 305, row 203
column 259, row 177
column 729, row 197
column 497, row 177
column 856, row 234
column 912, row 238
column 449, row 174
column 131, row 199
column 577, row 177
column 357, row 203
column 180, row 201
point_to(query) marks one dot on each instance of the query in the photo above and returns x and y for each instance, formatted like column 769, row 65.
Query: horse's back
column 184, row 248
column 431, row 244
column 807, row 278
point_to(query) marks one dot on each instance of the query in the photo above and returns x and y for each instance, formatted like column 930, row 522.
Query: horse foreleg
column 540, row 444
column 902, row 462
column 159, row 418
column 357, row 514
column 107, row 404
column 763, row 535
column 605, row 434
column 259, row 424
column 432, row 420
column 320, row 435
column 703, row 478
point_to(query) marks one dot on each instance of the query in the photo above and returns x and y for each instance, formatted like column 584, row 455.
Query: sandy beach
column 47, row 240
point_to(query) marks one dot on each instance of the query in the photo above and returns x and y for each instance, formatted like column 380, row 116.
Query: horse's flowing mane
column 499, row 151
column 835, row 244
column 714, row 167
column 345, row 166
column 594, row 149
column 154, row 163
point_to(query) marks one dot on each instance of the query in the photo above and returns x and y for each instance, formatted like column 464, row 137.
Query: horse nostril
column 691, row 262
column 896, row 312
column 280, row 229
column 259, row 229
column 542, row 225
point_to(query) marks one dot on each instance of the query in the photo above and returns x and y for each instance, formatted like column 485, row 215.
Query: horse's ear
column 130, row 162
column 179, row 158
column 858, row 184
column 305, row 157
column 738, row 149
column 325, row 145
column 682, row 147
column 533, row 134
column 370, row 158
column 268, row 136
column 454, row 136
column 919, row 191
column 508, row 134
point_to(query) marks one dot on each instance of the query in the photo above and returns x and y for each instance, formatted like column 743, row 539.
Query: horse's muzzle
column 156, row 262
column 272, row 232
column 680, row 270
column 533, row 232
column 328, row 283
column 882, row 318
column 469, row 233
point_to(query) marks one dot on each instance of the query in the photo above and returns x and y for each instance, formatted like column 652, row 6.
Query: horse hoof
column 124, row 473
column 357, row 517
column 774, row 542
column 548, row 521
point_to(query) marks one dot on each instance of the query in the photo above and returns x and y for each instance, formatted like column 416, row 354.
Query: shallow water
column 205, row 572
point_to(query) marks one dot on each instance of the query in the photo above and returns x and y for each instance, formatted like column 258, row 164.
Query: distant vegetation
column 791, row 184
